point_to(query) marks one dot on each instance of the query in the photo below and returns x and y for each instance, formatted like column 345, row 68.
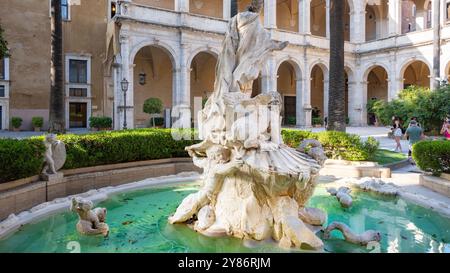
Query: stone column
column 182, row 5
column 327, row 21
column 304, row 16
column 126, row 73
column 394, row 85
column 356, row 104
column 305, row 107
column 226, row 9
column 326, row 95
column 358, row 24
column 269, row 80
column 181, row 113
column 300, row 113
column 395, row 17
column 270, row 13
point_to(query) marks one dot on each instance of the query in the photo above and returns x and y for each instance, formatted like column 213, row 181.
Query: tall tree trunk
column 57, row 111
column 336, row 101
column 436, row 45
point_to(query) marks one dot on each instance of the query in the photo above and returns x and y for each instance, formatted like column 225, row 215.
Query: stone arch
column 349, row 83
column 376, row 81
column 415, row 72
column 206, row 49
column 318, row 17
column 162, row 45
column 153, row 77
column 202, row 77
column 287, row 15
column 289, row 85
column 376, row 20
column 319, row 89
column 414, row 15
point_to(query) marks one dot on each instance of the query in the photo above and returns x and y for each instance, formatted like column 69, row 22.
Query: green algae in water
column 138, row 223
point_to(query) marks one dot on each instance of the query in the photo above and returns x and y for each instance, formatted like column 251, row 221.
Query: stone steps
column 436, row 184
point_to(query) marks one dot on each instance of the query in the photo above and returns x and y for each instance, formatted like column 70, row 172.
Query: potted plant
column 317, row 122
column 16, row 122
column 153, row 107
column 100, row 123
column 37, row 123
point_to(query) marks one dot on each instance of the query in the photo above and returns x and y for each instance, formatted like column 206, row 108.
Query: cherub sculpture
column 55, row 155
column 217, row 164
column 91, row 221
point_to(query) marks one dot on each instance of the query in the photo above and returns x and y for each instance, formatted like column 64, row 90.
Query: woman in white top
column 398, row 133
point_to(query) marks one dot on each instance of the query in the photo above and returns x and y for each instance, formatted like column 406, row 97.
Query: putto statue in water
column 255, row 187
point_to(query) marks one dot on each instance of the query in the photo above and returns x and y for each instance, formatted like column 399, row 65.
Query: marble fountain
column 256, row 194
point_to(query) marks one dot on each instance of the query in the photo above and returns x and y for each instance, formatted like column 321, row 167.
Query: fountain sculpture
column 255, row 187
column 92, row 221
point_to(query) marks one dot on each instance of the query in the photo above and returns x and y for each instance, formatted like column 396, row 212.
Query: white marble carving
column 255, row 187
column 55, row 155
column 92, row 221
column 359, row 239
column 343, row 196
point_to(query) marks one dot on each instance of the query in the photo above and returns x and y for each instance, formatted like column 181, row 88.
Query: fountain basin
column 137, row 216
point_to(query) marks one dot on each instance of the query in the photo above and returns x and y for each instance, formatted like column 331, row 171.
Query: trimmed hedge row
column 20, row 158
column 432, row 156
column 337, row 145
column 23, row 158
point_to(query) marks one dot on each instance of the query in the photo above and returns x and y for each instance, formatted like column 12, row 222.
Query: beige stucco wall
column 85, row 34
column 212, row 8
column 27, row 30
column 165, row 4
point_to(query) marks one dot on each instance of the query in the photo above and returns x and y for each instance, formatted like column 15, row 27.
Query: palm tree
column 57, row 111
column 336, row 101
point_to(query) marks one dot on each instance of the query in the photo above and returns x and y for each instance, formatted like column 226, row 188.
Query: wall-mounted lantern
column 142, row 78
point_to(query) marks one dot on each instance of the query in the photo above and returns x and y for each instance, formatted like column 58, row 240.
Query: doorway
column 78, row 115
column 290, row 110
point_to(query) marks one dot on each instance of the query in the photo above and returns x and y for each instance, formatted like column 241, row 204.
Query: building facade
column 168, row 49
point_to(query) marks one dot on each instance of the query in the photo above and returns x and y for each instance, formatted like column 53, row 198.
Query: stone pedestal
column 52, row 178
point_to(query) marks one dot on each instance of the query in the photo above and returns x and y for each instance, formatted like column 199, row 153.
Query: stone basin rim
column 12, row 223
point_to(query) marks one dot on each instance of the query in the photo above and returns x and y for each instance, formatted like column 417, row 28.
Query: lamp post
column 124, row 84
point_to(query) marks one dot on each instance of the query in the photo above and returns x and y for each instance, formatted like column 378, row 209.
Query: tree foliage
column 430, row 107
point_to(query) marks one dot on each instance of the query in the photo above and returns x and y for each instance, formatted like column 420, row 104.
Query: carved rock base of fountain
column 243, row 210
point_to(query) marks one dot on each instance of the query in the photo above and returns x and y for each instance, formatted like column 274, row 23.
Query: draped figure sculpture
column 254, row 186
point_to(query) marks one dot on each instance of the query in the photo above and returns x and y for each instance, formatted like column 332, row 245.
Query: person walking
column 397, row 131
column 414, row 134
column 446, row 129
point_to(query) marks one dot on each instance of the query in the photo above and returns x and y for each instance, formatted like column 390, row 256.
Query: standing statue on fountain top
column 244, row 51
column 254, row 186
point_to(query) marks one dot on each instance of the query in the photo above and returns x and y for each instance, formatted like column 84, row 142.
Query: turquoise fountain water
column 138, row 223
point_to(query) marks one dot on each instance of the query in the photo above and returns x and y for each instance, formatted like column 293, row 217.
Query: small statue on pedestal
column 91, row 221
column 55, row 155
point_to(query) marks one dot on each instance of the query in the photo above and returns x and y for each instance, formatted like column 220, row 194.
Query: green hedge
column 23, row 158
column 20, row 158
column 337, row 145
column 433, row 156
column 121, row 146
